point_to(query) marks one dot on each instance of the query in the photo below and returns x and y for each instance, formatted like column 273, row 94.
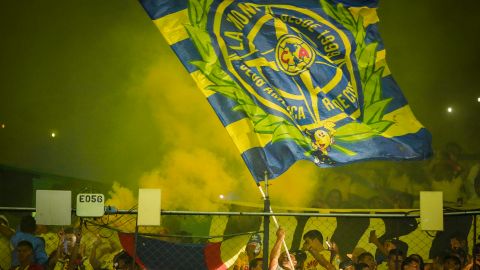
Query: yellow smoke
column 200, row 161
column 297, row 186
column 191, row 179
column 121, row 197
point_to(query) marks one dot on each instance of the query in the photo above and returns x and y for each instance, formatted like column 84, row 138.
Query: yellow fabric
column 403, row 115
column 369, row 14
column 381, row 61
column 172, row 26
column 202, row 82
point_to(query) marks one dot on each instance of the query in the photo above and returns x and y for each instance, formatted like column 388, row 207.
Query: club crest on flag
column 293, row 55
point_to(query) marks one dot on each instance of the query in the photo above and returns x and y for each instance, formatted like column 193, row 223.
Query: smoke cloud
column 200, row 161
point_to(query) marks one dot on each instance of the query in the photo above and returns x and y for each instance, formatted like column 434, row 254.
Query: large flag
column 157, row 254
column 294, row 80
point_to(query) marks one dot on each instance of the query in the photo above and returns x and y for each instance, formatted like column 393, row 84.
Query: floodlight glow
column 478, row 99
column 449, row 109
column 3, row 125
column 221, row 196
column 53, row 134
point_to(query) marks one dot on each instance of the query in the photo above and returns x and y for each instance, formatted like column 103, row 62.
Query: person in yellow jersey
column 318, row 257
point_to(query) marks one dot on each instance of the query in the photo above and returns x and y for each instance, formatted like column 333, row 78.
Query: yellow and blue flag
column 293, row 80
column 156, row 254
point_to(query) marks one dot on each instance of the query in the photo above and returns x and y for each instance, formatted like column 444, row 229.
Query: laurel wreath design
column 373, row 105
column 280, row 128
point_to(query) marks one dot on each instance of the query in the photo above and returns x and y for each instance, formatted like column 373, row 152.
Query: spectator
column 357, row 251
column 395, row 259
column 453, row 240
column 419, row 260
column 475, row 258
column 5, row 234
column 383, row 248
column 27, row 232
column 256, row 264
column 461, row 255
column 458, row 241
column 368, row 259
column 410, row 264
column 347, row 265
column 69, row 254
column 252, row 251
column 280, row 261
column 254, row 246
column 24, row 251
column 361, row 266
column 313, row 243
column 451, row 262
column 300, row 257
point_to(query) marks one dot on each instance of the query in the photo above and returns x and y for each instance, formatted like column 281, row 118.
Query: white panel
column 90, row 205
column 149, row 206
column 431, row 210
column 54, row 207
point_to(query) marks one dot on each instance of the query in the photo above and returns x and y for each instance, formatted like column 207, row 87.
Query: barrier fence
column 192, row 240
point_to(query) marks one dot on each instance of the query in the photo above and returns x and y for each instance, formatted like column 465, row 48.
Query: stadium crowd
column 29, row 252
column 459, row 179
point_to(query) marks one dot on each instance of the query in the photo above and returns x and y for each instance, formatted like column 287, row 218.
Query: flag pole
column 266, row 224
column 266, row 221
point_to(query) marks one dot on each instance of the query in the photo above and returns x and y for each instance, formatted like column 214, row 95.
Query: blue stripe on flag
column 358, row 3
column 402, row 148
column 187, row 52
column 222, row 106
column 391, row 90
column 372, row 35
column 160, row 8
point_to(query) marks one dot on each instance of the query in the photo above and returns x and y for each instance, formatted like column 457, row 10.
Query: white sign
column 54, row 207
column 149, row 207
column 90, row 205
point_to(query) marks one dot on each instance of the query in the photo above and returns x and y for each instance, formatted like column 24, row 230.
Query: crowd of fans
column 392, row 255
column 396, row 187
column 27, row 250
